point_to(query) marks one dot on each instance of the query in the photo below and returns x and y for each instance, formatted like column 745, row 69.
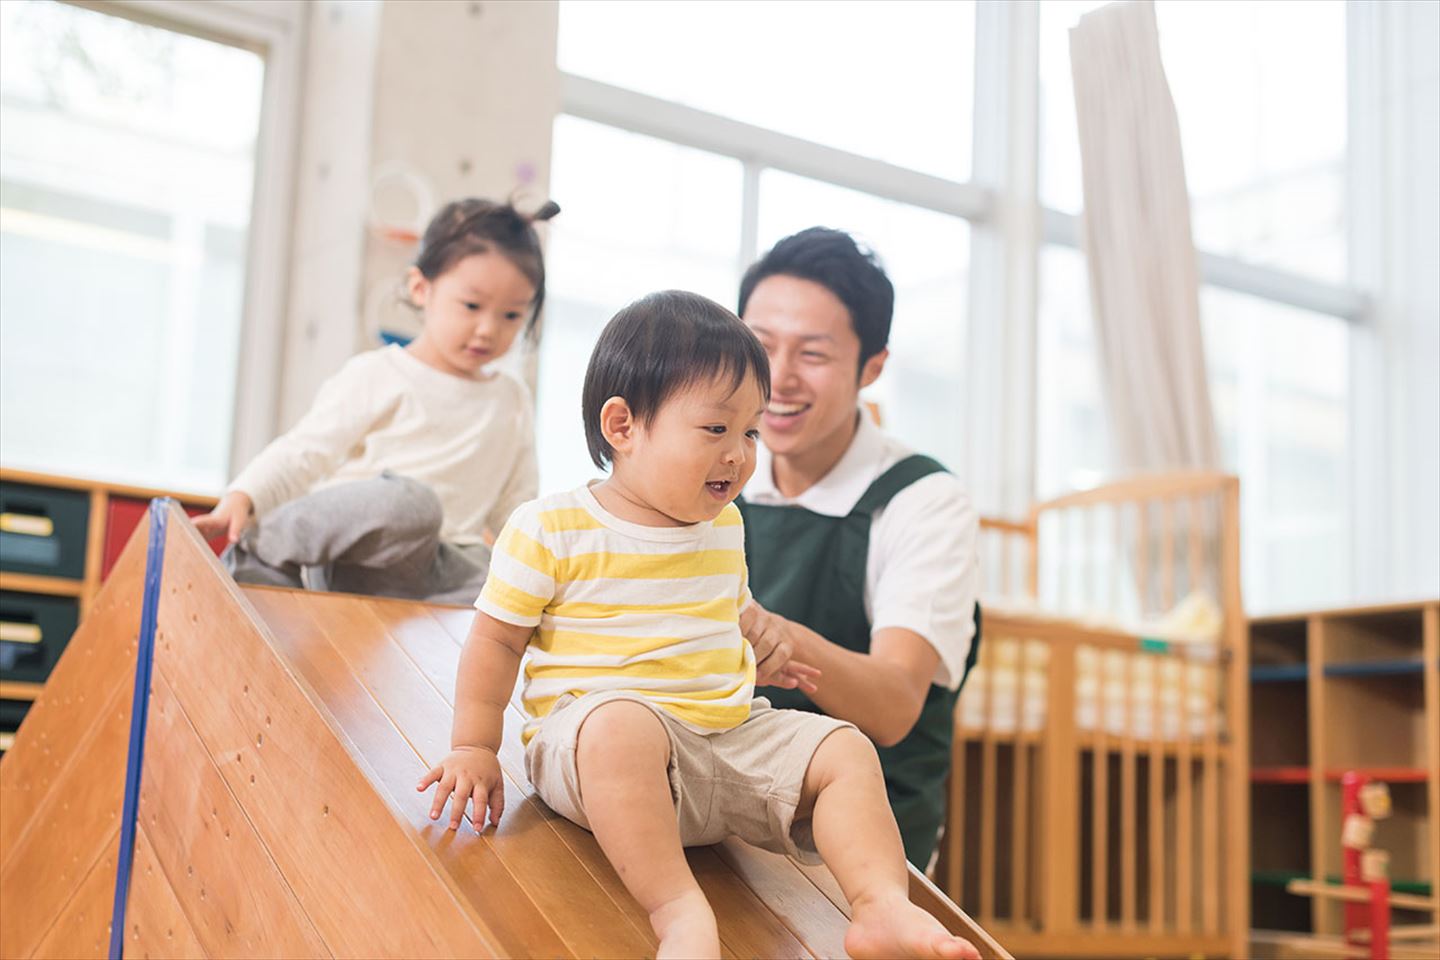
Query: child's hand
column 467, row 773
column 767, row 633
column 229, row 517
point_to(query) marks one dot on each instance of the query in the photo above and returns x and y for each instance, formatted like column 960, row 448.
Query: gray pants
column 378, row 537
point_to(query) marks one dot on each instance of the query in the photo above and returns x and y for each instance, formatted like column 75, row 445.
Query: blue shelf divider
column 1374, row 668
column 1278, row 672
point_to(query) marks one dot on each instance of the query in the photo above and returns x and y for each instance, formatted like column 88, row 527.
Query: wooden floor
column 279, row 814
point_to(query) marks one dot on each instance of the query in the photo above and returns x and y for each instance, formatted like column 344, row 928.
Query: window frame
column 276, row 30
column 1010, row 227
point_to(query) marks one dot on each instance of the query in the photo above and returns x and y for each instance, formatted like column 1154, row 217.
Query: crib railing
column 1099, row 795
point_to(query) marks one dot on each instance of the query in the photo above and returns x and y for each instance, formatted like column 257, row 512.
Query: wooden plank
column 1430, row 640
column 1119, row 551
column 1020, row 809
column 94, row 548
column 1167, row 554
column 54, row 772
column 826, row 883
column 927, row 896
column 1356, row 894
column 1357, row 610
column 228, row 677
column 1178, row 483
column 746, row 925
column 1184, row 829
column 577, row 906
column 73, row 825
column 1323, row 920
column 436, row 654
column 1100, row 819
column 955, row 818
column 1195, row 562
column 90, row 483
column 806, row 912
column 1210, row 809
column 1110, row 946
column 1142, row 558
column 157, row 923
column 224, row 879
column 36, row 583
column 16, row 690
column 1237, row 749
column 1057, row 631
column 1059, row 807
column 82, row 930
column 1128, row 799
column 1156, row 804
column 520, row 926
column 988, row 788
column 92, row 680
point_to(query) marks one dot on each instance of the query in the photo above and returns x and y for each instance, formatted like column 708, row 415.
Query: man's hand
column 467, row 773
column 770, row 635
column 230, row 517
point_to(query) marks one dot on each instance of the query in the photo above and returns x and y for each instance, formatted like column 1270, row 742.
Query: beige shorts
column 743, row 782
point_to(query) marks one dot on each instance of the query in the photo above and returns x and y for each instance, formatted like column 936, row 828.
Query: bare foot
column 898, row 928
column 686, row 927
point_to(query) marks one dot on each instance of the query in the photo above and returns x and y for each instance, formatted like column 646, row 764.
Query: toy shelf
column 1332, row 691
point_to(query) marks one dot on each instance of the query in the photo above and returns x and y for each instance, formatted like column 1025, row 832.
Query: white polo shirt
column 922, row 571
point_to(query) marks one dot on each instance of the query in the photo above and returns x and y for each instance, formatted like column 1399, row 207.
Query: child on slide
column 408, row 455
column 624, row 596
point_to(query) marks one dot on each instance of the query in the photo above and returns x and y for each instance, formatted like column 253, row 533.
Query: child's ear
column 617, row 425
column 417, row 286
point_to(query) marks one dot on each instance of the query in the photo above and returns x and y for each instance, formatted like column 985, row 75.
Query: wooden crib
column 1099, row 795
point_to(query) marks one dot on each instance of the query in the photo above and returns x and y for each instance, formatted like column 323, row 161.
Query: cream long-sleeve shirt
column 471, row 440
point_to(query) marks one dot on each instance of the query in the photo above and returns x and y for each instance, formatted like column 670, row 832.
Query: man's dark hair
column 658, row 346
column 834, row 260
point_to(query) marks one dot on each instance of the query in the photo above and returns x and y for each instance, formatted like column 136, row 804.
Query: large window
column 1264, row 142
column 651, row 216
column 854, row 75
column 1261, row 92
column 774, row 116
column 126, row 172
column 644, row 213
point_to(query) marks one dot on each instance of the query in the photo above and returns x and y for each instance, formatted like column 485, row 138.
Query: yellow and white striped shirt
column 621, row 606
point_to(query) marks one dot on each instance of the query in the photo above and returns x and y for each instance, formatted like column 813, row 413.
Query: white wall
column 457, row 93
column 1412, row 295
column 1396, row 207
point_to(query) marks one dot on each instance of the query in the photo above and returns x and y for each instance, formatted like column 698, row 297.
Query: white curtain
column 1136, row 233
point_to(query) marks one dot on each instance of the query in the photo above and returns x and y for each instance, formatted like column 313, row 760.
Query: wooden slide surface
column 278, row 814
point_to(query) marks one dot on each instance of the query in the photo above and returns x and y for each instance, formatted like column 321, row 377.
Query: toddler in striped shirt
column 623, row 600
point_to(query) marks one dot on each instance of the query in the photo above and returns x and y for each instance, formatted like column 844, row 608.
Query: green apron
column 810, row 568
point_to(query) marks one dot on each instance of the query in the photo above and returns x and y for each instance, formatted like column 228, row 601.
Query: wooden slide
column 277, row 812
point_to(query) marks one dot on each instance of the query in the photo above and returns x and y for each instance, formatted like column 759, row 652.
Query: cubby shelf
column 1279, row 878
column 1375, row 668
column 1331, row 692
column 1302, row 774
column 1280, row 775
column 1291, row 672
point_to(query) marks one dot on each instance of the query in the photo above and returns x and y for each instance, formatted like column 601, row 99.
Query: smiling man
column 861, row 553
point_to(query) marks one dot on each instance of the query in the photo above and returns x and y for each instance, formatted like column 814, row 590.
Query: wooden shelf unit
column 83, row 590
column 1354, row 688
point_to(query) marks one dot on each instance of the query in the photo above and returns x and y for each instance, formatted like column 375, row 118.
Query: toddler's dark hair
column 834, row 260
column 659, row 345
column 470, row 226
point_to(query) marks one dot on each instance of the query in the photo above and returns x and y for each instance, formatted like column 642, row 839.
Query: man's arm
column 881, row 692
column 924, row 583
